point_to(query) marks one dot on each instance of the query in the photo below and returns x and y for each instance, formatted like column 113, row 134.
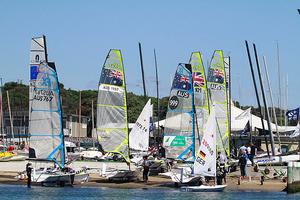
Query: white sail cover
column 45, row 124
column 179, row 135
column 112, row 126
column 139, row 134
column 205, row 162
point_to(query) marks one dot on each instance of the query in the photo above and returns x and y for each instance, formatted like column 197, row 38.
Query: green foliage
column 19, row 100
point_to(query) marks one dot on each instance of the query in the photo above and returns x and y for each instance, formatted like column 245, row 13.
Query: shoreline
column 158, row 182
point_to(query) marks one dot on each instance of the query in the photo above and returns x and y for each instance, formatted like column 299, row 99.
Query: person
column 28, row 173
column 243, row 163
column 221, row 162
column 146, row 166
column 253, row 150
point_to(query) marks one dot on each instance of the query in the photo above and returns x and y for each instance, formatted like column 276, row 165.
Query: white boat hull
column 276, row 159
column 204, row 188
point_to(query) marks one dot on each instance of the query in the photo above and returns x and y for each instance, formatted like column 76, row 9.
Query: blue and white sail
column 45, row 114
column 179, row 137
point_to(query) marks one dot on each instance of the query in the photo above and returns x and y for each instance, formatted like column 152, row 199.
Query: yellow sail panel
column 112, row 125
column 200, row 96
column 218, row 95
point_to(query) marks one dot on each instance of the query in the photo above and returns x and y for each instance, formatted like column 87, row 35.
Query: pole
column 157, row 96
column 79, row 116
column 142, row 68
column 93, row 123
column 279, row 84
column 257, row 97
column 10, row 116
column 272, row 103
column 264, row 101
column 1, row 111
column 286, row 99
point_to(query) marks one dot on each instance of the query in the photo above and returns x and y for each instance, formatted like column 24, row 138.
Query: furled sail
column 179, row 124
column 217, row 89
column 112, row 126
column 205, row 162
column 139, row 134
column 200, row 96
column 45, row 124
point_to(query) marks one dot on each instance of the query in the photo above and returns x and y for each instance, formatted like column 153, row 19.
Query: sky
column 80, row 33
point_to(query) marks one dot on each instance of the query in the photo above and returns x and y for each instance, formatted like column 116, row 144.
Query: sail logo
column 111, row 88
column 215, row 86
column 183, row 94
column 174, row 141
column 205, row 144
column 173, row 102
column 201, row 158
column 181, row 82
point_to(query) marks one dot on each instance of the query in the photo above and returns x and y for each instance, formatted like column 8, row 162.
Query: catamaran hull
column 204, row 188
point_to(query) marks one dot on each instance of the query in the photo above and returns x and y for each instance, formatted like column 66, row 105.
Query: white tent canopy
column 239, row 124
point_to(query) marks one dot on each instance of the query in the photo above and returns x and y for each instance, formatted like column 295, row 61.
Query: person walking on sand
column 243, row 163
column 28, row 173
column 253, row 151
column 146, row 166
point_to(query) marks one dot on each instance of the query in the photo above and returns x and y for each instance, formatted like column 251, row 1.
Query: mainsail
column 200, row 96
column 205, row 162
column 218, row 95
column 179, row 140
column 45, row 124
column 112, row 126
column 139, row 134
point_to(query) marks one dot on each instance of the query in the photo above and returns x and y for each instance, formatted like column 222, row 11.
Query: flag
column 293, row 115
column 216, row 76
column 112, row 77
column 202, row 155
column 198, row 79
column 181, row 82
column 246, row 130
column 296, row 132
column 34, row 70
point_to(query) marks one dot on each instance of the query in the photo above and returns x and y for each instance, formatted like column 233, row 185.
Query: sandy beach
column 9, row 170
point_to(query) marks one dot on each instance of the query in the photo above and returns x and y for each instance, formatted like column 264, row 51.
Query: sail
column 228, row 88
column 200, row 96
column 205, row 162
column 217, row 90
column 112, row 126
column 45, row 124
column 179, row 124
column 139, row 134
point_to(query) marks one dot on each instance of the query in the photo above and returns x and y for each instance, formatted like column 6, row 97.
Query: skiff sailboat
column 46, row 138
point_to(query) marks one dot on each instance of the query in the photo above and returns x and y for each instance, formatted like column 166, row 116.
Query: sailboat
column 112, row 124
column 46, row 138
column 205, row 163
column 140, row 133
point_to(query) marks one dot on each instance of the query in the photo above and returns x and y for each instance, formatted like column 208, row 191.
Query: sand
column 8, row 173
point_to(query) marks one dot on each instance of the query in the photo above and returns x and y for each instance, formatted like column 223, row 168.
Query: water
column 8, row 192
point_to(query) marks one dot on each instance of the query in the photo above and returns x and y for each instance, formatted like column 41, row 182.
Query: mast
column 142, row 68
column 279, row 85
column 79, row 115
column 264, row 100
column 157, row 96
column 10, row 117
column 1, row 110
column 257, row 96
column 272, row 103
column 93, row 122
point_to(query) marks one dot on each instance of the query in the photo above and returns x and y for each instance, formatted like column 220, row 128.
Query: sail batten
column 112, row 125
